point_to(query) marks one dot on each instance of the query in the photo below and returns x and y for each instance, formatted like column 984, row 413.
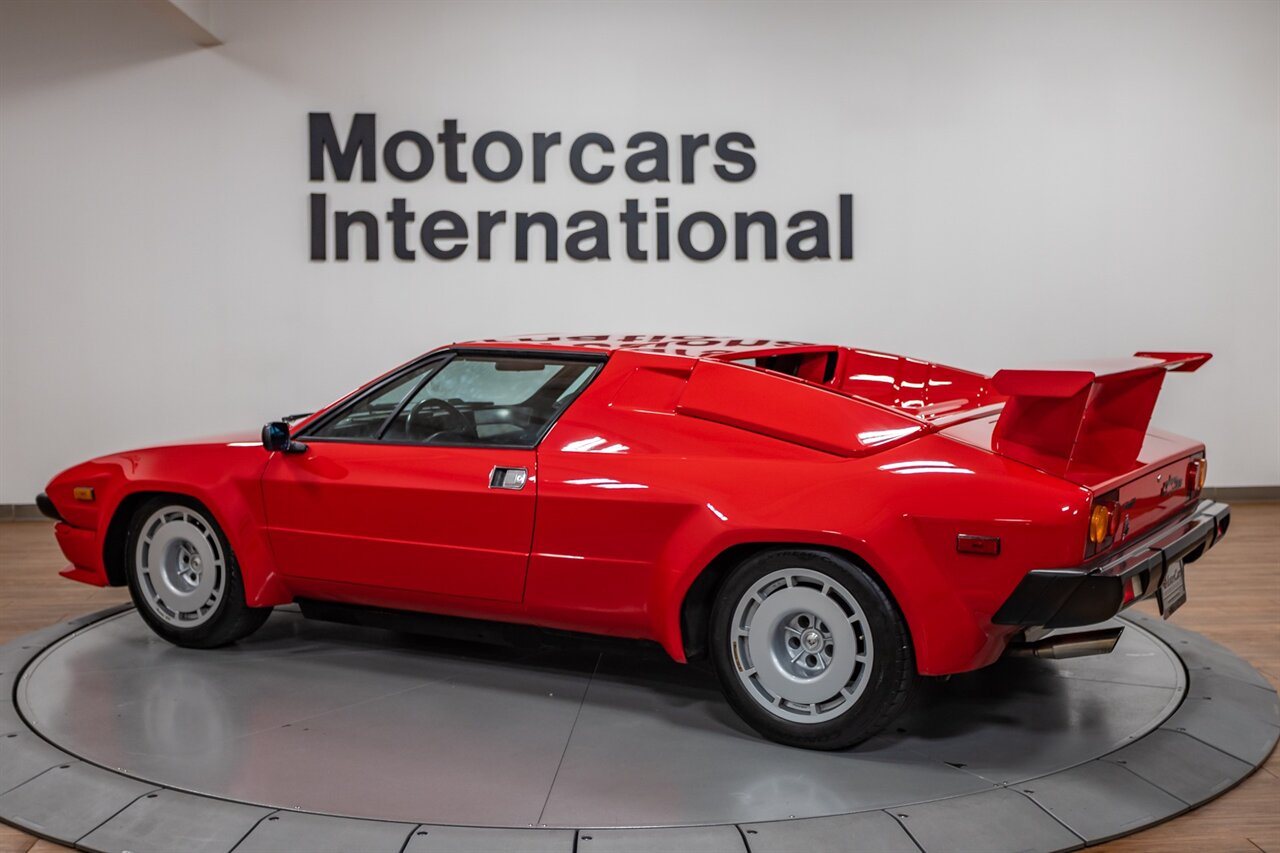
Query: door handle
column 508, row 478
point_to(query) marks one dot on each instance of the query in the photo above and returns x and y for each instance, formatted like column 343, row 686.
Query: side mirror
column 275, row 436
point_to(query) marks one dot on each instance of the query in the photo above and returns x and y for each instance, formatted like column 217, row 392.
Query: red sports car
column 825, row 523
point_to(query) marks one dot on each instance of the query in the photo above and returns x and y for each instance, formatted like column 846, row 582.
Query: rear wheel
column 184, row 578
column 810, row 650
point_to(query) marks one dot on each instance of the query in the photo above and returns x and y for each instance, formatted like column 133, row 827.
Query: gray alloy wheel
column 180, row 566
column 802, row 645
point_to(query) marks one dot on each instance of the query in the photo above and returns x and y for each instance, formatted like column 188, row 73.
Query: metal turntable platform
column 320, row 736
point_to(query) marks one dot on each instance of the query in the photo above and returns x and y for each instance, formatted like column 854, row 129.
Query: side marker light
column 988, row 546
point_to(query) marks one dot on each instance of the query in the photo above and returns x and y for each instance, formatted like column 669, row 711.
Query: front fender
column 225, row 477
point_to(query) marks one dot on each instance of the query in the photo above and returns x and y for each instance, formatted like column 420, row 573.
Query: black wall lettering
column 632, row 218
column 432, row 233
column 597, row 234
column 524, row 221
column 741, row 237
column 745, row 162
column 575, row 158
column 689, row 146
column 361, row 141
column 480, row 156
column 342, row 222
column 846, row 227
column 319, row 226
column 409, row 156
column 451, row 139
column 818, row 233
column 686, row 235
column 391, row 155
column 542, row 143
column 655, row 154
column 400, row 216
column 484, row 225
column 663, row 230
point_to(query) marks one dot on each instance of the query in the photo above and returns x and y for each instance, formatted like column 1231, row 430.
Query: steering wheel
column 456, row 421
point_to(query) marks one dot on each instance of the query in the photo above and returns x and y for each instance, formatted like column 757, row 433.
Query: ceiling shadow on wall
column 51, row 42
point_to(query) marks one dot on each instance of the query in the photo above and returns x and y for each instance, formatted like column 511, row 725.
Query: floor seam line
column 569, row 739
column 1123, row 765
column 256, row 824
column 905, row 828
column 1219, row 749
column 1053, row 817
column 48, row 769
column 413, row 830
column 115, row 815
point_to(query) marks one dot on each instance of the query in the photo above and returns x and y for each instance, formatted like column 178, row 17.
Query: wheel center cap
column 811, row 640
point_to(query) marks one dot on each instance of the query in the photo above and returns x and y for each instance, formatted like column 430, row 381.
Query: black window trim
column 444, row 357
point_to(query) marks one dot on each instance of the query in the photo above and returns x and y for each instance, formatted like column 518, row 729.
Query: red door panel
column 417, row 517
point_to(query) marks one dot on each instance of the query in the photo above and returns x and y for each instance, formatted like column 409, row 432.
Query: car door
column 428, row 481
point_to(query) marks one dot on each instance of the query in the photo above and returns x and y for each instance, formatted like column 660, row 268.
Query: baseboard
column 1243, row 494
column 1230, row 494
column 20, row 512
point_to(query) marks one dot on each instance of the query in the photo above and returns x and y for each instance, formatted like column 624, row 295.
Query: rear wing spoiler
column 1084, row 422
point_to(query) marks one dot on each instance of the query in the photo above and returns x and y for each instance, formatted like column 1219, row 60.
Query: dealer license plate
column 1173, row 589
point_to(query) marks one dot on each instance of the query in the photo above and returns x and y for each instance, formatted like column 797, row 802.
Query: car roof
column 697, row 346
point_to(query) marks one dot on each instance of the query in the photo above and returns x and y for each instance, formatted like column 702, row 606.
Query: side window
column 364, row 419
column 490, row 400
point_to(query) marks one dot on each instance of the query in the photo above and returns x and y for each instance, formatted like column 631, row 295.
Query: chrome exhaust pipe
column 1063, row 646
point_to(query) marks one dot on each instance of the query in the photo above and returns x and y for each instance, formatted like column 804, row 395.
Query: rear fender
column 897, row 514
column 945, row 635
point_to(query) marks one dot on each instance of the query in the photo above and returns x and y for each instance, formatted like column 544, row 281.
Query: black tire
column 885, row 683
column 227, row 620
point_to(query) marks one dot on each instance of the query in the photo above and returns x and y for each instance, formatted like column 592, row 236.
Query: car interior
column 467, row 400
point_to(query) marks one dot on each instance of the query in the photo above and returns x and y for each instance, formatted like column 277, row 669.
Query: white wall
column 1033, row 181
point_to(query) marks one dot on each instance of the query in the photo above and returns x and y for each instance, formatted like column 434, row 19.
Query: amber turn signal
column 1099, row 524
column 82, row 493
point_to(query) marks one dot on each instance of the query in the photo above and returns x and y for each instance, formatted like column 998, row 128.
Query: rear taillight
column 1100, row 523
column 1197, row 471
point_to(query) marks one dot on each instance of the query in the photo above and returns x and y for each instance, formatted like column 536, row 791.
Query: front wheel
column 183, row 576
column 810, row 650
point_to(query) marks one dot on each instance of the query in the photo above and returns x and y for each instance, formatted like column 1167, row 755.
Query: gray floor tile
column 1181, row 765
column 997, row 821
column 24, row 756
column 693, row 839
column 473, row 839
column 289, row 832
column 70, row 800
column 865, row 832
column 1101, row 800
column 1242, row 725
column 168, row 821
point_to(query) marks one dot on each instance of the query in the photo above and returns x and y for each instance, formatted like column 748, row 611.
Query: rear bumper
column 1096, row 591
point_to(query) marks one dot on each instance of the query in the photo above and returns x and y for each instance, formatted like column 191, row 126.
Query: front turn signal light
column 1099, row 524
